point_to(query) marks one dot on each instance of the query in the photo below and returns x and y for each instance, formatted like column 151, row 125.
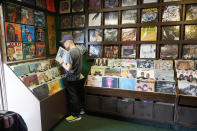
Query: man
column 72, row 65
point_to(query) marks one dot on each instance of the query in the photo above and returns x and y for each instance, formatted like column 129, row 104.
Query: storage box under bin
column 143, row 110
column 125, row 108
column 93, row 102
column 109, row 104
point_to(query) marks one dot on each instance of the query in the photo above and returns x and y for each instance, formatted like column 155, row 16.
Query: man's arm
column 67, row 67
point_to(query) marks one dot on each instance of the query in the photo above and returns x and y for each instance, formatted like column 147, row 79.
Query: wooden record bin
column 107, row 100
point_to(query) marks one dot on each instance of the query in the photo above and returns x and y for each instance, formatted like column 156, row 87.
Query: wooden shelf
column 187, row 100
column 161, row 97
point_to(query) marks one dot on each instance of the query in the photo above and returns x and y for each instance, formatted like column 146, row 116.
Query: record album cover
column 45, row 65
column 112, row 71
column 78, row 21
column 149, row 1
column 184, row 64
column 191, row 12
column 110, row 3
column 97, row 70
column 65, row 22
column 95, row 51
column 40, row 49
column 41, row 4
column 145, row 74
column 128, row 51
column 111, row 51
column 164, row 74
column 129, row 34
column 130, row 63
column 145, row 64
column 129, row 2
column 27, row 16
column 128, row 73
column 149, row 33
column 110, row 34
column 35, row 67
column 78, row 36
column 147, row 50
column 170, row 32
column 101, row 62
column 30, row 80
column 191, row 32
column 187, row 75
column 64, row 6
column 40, row 34
column 94, row 4
column 127, row 83
column 187, row 88
column 13, row 13
column 110, row 82
column 14, row 51
column 54, row 72
column 54, row 87
column 39, row 18
column 20, row 70
column 51, row 34
column 149, row 15
column 41, row 91
column 77, row 5
column 111, row 18
column 53, row 63
column 169, row 51
column 62, row 55
column 95, row 35
column 165, row 87
column 94, row 81
column 13, row 32
column 171, row 13
column 28, row 33
column 29, row 50
column 189, row 52
column 129, row 16
column 94, row 19
column 145, row 85
column 63, row 33
column 163, row 64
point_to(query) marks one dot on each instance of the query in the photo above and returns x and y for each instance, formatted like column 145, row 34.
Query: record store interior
column 98, row 65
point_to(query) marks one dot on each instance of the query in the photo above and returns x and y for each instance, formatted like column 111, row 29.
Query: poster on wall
column 64, row 6
column 13, row 13
column 29, row 50
column 14, row 51
column 28, row 33
column 13, row 32
column 51, row 34
column 50, row 4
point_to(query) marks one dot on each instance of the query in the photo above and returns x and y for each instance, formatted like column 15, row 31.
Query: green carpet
column 95, row 123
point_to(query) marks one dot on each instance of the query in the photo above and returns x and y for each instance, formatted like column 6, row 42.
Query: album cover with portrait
column 95, row 35
column 13, row 32
column 111, row 51
column 145, row 74
column 78, row 36
column 39, row 18
column 128, row 72
column 129, row 16
column 14, row 51
column 40, row 49
column 40, row 34
column 94, row 19
column 13, row 13
column 65, row 22
column 64, row 6
column 95, row 51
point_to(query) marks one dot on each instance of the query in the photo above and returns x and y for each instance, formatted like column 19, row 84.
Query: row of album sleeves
column 144, row 63
column 167, row 51
column 169, row 13
column 162, row 86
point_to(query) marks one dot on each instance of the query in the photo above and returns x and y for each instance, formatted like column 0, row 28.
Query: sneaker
column 73, row 118
column 82, row 112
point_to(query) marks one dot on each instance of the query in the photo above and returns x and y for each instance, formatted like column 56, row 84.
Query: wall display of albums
column 125, row 33
column 72, row 20
column 26, row 24
column 25, row 29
